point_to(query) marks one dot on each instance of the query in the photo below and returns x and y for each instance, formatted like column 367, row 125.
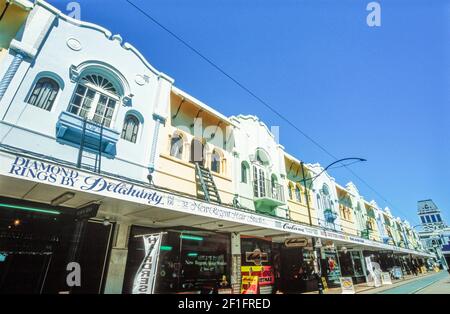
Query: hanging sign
column 144, row 281
column 347, row 285
column 296, row 242
column 256, row 257
column 386, row 278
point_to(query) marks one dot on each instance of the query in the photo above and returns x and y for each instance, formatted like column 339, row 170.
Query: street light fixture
column 317, row 249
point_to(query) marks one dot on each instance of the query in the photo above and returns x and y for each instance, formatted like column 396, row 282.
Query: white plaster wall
column 35, row 128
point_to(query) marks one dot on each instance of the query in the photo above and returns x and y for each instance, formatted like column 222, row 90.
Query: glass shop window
column 190, row 261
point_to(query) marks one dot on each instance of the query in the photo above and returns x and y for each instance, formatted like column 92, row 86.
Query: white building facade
column 93, row 159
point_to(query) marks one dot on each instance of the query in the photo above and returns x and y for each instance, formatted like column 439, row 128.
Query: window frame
column 95, row 103
column 180, row 150
column 135, row 131
column 39, row 95
column 217, row 162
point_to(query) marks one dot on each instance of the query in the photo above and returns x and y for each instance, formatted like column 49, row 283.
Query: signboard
column 296, row 242
column 87, row 212
column 334, row 271
column 386, row 278
column 256, row 257
column 397, row 272
column 71, row 178
column 347, row 285
column 250, row 285
column 324, row 284
column 374, row 277
column 144, row 281
column 264, row 273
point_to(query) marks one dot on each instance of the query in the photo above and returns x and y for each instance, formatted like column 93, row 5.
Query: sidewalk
column 363, row 288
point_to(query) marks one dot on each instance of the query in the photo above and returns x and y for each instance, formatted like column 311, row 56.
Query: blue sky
column 377, row 93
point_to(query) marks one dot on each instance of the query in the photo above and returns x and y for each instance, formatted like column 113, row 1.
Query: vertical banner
column 144, row 281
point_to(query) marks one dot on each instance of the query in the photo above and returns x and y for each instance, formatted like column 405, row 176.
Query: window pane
column 176, row 146
column 44, row 93
column 215, row 162
column 130, row 129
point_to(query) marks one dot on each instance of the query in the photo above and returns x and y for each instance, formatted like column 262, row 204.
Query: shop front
column 37, row 243
column 351, row 262
column 261, row 259
column 191, row 261
column 297, row 268
column 331, row 269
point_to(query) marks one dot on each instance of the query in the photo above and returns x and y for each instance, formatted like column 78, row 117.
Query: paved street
column 434, row 284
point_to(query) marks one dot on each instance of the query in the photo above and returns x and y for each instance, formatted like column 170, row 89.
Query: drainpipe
column 9, row 74
column 151, row 167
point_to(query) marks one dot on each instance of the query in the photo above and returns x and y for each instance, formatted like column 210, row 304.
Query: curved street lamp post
column 317, row 245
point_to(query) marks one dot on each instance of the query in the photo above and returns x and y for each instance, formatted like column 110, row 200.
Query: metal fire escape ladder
column 90, row 149
column 207, row 184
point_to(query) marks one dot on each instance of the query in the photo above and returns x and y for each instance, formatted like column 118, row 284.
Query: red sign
column 265, row 274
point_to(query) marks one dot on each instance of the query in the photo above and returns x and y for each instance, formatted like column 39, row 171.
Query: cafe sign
column 296, row 242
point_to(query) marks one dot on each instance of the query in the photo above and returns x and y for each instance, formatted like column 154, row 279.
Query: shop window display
column 258, row 256
column 190, row 261
column 330, row 267
column 298, row 270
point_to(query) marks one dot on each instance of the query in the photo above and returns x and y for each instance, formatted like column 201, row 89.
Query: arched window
column 130, row 128
column 95, row 98
column 298, row 196
column 290, row 187
column 44, row 93
column 197, row 152
column 326, row 197
column 176, row 146
column 319, row 202
column 215, row 161
column 244, row 172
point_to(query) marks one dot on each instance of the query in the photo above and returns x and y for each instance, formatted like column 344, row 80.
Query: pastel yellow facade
column 346, row 212
column 296, row 193
column 372, row 227
column 175, row 170
column 14, row 17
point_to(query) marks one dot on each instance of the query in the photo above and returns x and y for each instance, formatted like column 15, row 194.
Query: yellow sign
column 250, row 284
column 324, row 284
column 347, row 285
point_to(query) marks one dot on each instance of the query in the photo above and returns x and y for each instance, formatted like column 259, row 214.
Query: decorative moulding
column 141, row 79
column 74, row 44
column 74, row 73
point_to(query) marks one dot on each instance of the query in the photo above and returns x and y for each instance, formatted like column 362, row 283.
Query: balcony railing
column 329, row 215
